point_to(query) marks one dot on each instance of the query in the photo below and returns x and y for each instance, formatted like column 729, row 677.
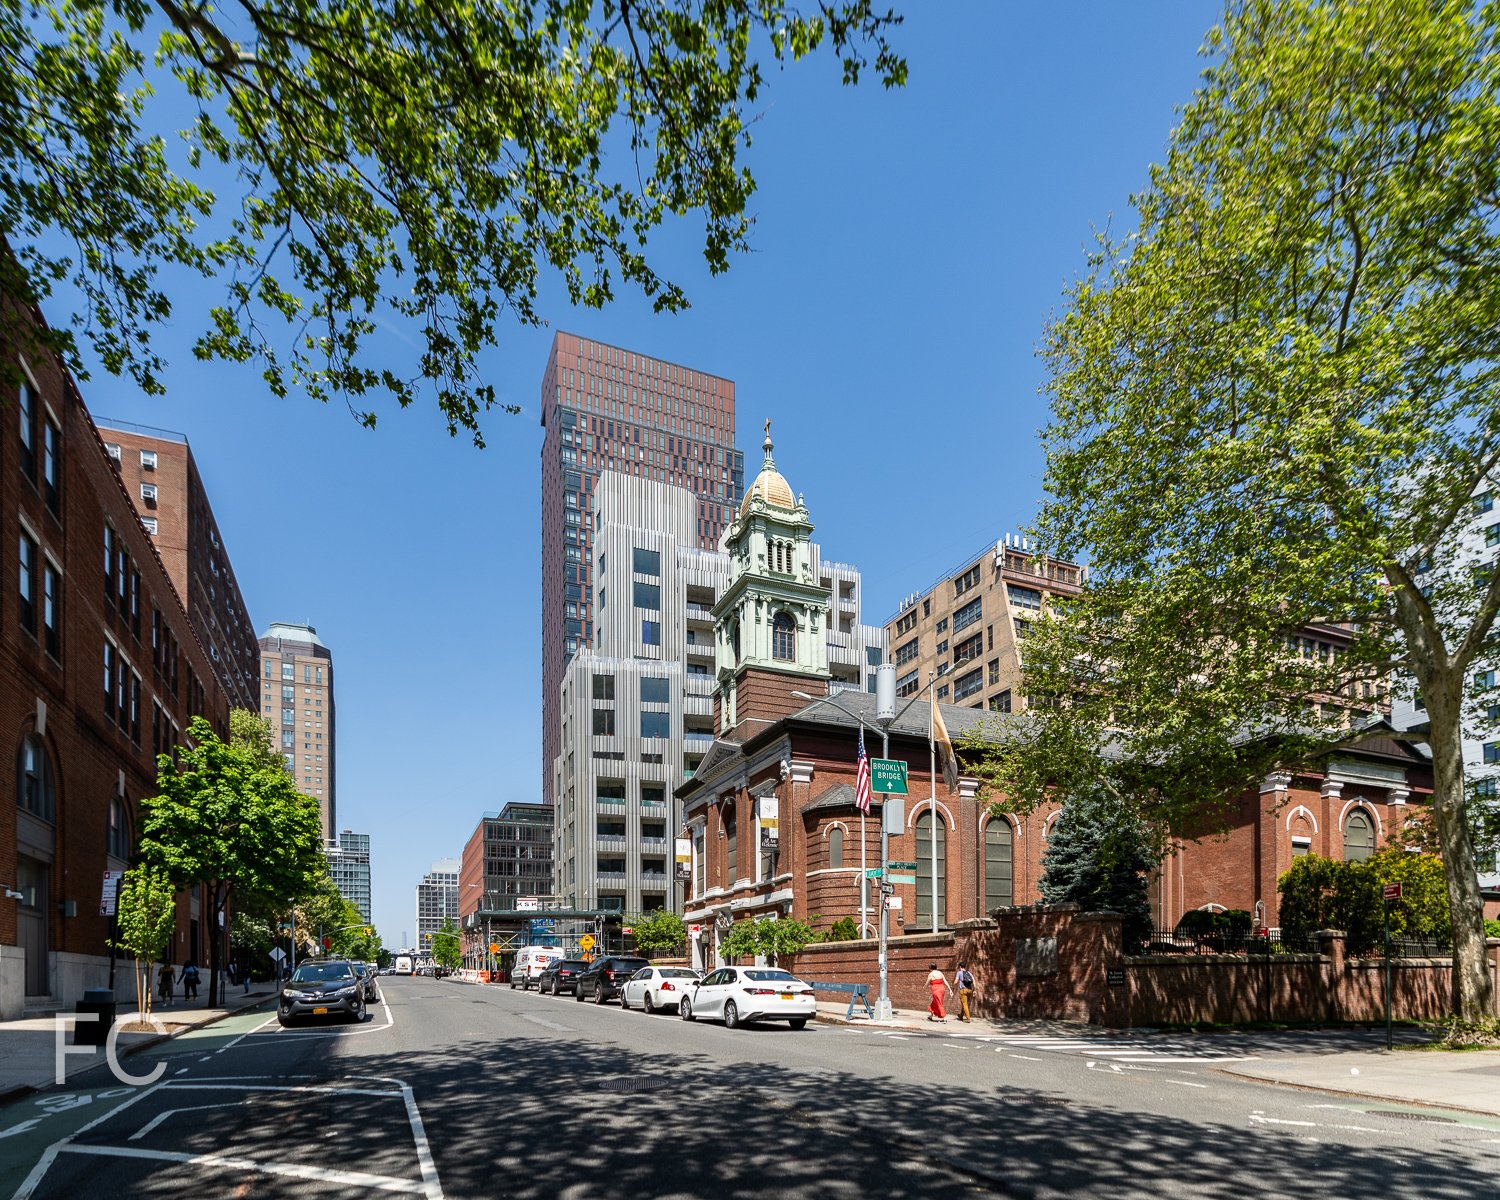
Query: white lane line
column 243, row 1036
column 434, row 1188
column 1185, row 1083
column 384, row 1183
column 545, row 1023
column 44, row 1164
column 390, row 1019
column 162, row 1116
column 271, row 1087
column 1282, row 1121
column 1012, row 1053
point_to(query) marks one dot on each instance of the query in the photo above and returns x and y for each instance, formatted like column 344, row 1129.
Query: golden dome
column 770, row 485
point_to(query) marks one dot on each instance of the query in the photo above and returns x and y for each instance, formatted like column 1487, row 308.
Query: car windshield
column 771, row 976
column 677, row 973
column 322, row 973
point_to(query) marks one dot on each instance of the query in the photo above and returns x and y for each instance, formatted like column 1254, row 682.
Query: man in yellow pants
column 964, row 980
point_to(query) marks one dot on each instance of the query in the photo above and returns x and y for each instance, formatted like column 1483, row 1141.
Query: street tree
column 659, row 932
column 1099, row 857
column 348, row 167
column 774, row 938
column 146, row 914
column 445, row 947
column 1273, row 403
column 227, row 816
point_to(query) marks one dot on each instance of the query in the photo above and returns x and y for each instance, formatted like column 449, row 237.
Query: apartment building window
column 656, row 724
column 27, row 412
column 907, row 623
column 967, row 580
column 1024, row 597
column 651, row 633
column 109, row 565
column 646, row 562
column 288, row 716
column 109, row 678
column 942, row 692
column 969, row 648
column 28, row 583
column 1022, row 628
column 648, row 595
column 604, row 722
column 968, row 614
column 52, row 466
column 907, row 685
column 288, row 739
column 288, row 694
column 288, row 672
column 51, row 609
column 1492, row 752
column 306, row 674
column 907, row 651
column 874, row 656
column 966, row 685
column 604, row 687
column 148, row 460
column 654, row 690
column 150, row 525
column 941, row 626
column 994, row 670
column 36, row 793
column 1000, row 703
column 1492, row 535
column 117, row 839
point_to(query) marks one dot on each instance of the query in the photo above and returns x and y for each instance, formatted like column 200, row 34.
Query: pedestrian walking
column 164, row 981
column 189, row 981
column 965, row 981
column 245, row 975
column 937, row 982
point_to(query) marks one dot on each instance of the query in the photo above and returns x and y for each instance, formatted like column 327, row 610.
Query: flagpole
column 932, row 780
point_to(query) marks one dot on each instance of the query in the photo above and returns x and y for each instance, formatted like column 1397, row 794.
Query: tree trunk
column 1473, row 991
column 220, row 897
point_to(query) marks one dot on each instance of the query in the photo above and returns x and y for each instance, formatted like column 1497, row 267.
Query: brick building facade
column 100, row 669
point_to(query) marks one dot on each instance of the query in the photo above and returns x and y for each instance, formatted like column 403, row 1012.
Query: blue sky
column 909, row 247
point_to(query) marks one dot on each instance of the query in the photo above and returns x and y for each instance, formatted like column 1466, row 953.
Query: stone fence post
column 1492, row 945
column 1332, row 945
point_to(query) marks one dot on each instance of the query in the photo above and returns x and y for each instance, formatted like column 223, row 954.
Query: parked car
column 738, row 995
column 561, row 975
column 367, row 978
column 322, row 988
column 604, row 977
column 653, row 988
column 530, row 962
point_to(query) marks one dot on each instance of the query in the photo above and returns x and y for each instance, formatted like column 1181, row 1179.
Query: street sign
column 277, row 954
column 901, row 866
column 587, row 941
column 1391, row 891
column 893, row 903
column 628, row 930
column 695, row 931
column 872, row 872
column 903, row 878
column 110, row 892
column 888, row 775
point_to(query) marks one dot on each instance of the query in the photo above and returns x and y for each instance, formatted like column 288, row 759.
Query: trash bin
column 100, row 1001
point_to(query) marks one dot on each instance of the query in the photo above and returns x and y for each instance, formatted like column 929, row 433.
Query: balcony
column 651, row 880
column 696, row 741
column 650, row 845
column 610, row 803
column 654, row 806
column 610, row 841
column 610, row 879
column 700, row 613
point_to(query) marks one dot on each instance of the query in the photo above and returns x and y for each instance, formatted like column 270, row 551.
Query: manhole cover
column 634, row 1083
column 1413, row 1116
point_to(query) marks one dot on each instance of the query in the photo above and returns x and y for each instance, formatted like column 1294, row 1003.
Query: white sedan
column 652, row 988
column 741, row 994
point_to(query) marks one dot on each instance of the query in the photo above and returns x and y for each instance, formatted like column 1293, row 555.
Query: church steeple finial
column 766, row 446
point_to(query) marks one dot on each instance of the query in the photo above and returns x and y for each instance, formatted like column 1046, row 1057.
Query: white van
column 530, row 962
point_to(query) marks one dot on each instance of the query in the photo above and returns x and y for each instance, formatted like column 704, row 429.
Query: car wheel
column 578, row 993
column 598, row 993
column 512, row 983
column 556, row 987
column 731, row 1015
column 624, row 1003
column 685, row 1009
column 798, row 1022
column 359, row 1013
column 648, row 1006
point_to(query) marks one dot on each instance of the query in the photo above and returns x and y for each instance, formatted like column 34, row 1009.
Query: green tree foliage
column 445, row 947
column 659, row 932
column 1324, row 893
column 1272, row 403
column 845, row 929
column 772, row 937
column 352, row 165
column 1100, row 858
column 229, row 817
column 146, row 913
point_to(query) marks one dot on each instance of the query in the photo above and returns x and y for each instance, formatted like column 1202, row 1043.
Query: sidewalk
column 28, row 1048
column 1468, row 1080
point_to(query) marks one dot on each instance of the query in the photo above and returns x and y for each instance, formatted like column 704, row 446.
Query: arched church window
column 784, row 638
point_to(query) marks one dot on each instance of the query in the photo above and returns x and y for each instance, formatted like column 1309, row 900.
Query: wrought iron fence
column 1172, row 941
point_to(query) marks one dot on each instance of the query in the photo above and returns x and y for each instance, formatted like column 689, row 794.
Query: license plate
column 320, row 1012
column 786, row 995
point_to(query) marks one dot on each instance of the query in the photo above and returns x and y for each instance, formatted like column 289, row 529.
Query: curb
column 1344, row 1093
column 22, row 1090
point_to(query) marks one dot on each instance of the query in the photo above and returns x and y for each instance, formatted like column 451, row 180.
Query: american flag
column 862, row 778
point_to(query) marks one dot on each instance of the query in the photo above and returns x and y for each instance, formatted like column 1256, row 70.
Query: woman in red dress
column 938, row 984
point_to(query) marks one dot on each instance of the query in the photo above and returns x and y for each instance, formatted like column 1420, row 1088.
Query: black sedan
column 561, row 975
column 322, row 988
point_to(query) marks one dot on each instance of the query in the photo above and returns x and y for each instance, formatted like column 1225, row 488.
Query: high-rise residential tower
column 297, row 698
column 160, row 474
column 437, row 901
column 607, row 408
column 349, row 865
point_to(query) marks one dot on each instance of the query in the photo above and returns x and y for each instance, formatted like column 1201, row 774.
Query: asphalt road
column 458, row 1091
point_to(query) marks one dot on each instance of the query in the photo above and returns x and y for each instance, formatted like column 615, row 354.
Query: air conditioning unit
column 148, row 493
column 148, row 459
column 112, row 450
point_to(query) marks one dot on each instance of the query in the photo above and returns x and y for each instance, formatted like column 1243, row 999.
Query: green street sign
column 888, row 776
column 872, row 872
column 901, row 866
column 903, row 879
